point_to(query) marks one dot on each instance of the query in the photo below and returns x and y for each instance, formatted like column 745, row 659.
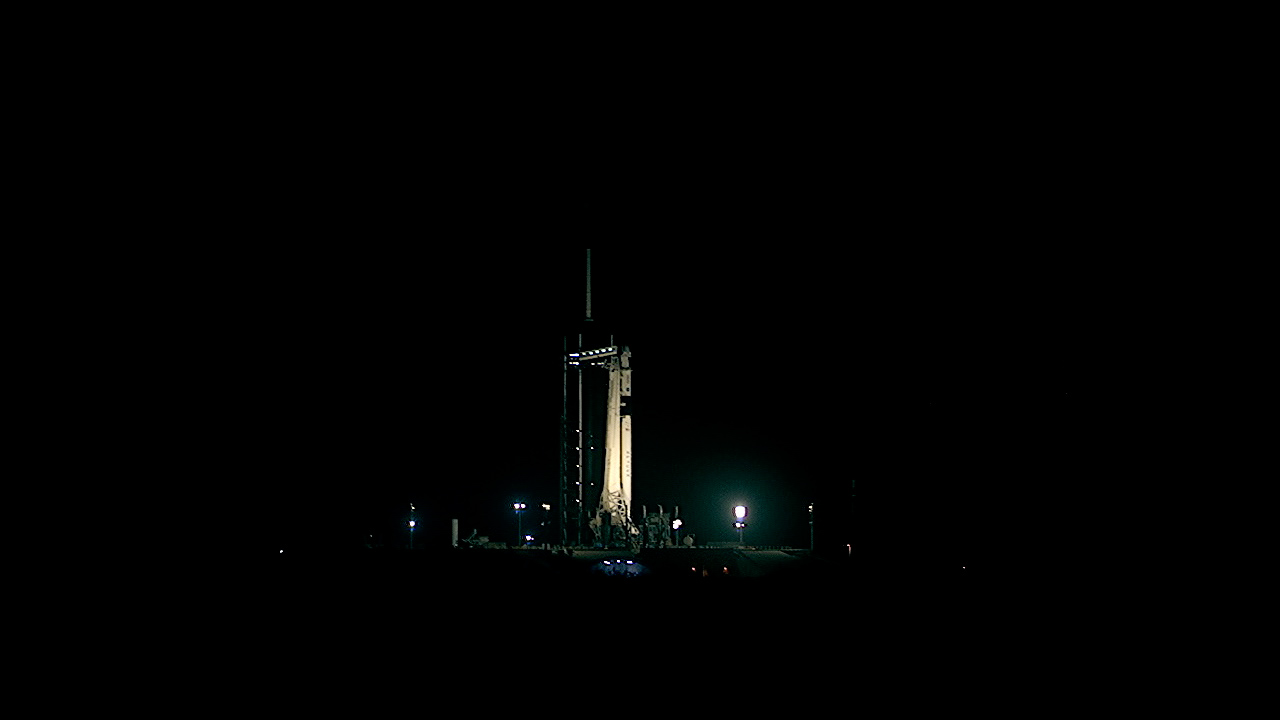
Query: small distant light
column 631, row 562
column 282, row 552
column 546, row 506
column 606, row 562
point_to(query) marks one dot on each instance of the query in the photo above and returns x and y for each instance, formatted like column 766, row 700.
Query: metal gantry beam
column 590, row 356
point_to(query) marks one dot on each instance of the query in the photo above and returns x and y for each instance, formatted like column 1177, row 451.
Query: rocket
column 616, row 496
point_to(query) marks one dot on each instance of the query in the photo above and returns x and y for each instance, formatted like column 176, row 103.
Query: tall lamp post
column 740, row 520
column 518, row 507
column 810, row 527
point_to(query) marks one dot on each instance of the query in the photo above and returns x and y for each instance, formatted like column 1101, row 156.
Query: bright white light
column 740, row 511
column 675, row 524
column 528, row 538
column 518, row 506
column 281, row 552
column 631, row 562
column 606, row 562
column 546, row 506
column 412, row 523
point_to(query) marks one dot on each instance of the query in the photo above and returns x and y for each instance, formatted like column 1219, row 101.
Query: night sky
column 949, row 386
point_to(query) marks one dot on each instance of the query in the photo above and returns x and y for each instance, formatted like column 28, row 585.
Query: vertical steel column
column 564, row 445
column 581, row 439
column 581, row 452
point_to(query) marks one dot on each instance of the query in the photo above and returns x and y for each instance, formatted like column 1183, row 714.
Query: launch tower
column 595, row 477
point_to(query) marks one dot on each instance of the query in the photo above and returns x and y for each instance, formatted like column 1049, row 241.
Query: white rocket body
column 615, row 498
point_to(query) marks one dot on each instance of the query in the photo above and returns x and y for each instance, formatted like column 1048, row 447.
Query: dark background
column 915, row 266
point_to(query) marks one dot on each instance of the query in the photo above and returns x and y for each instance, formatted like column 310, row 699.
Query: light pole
column 810, row 527
column 675, row 529
column 412, row 522
column 518, row 507
column 740, row 522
